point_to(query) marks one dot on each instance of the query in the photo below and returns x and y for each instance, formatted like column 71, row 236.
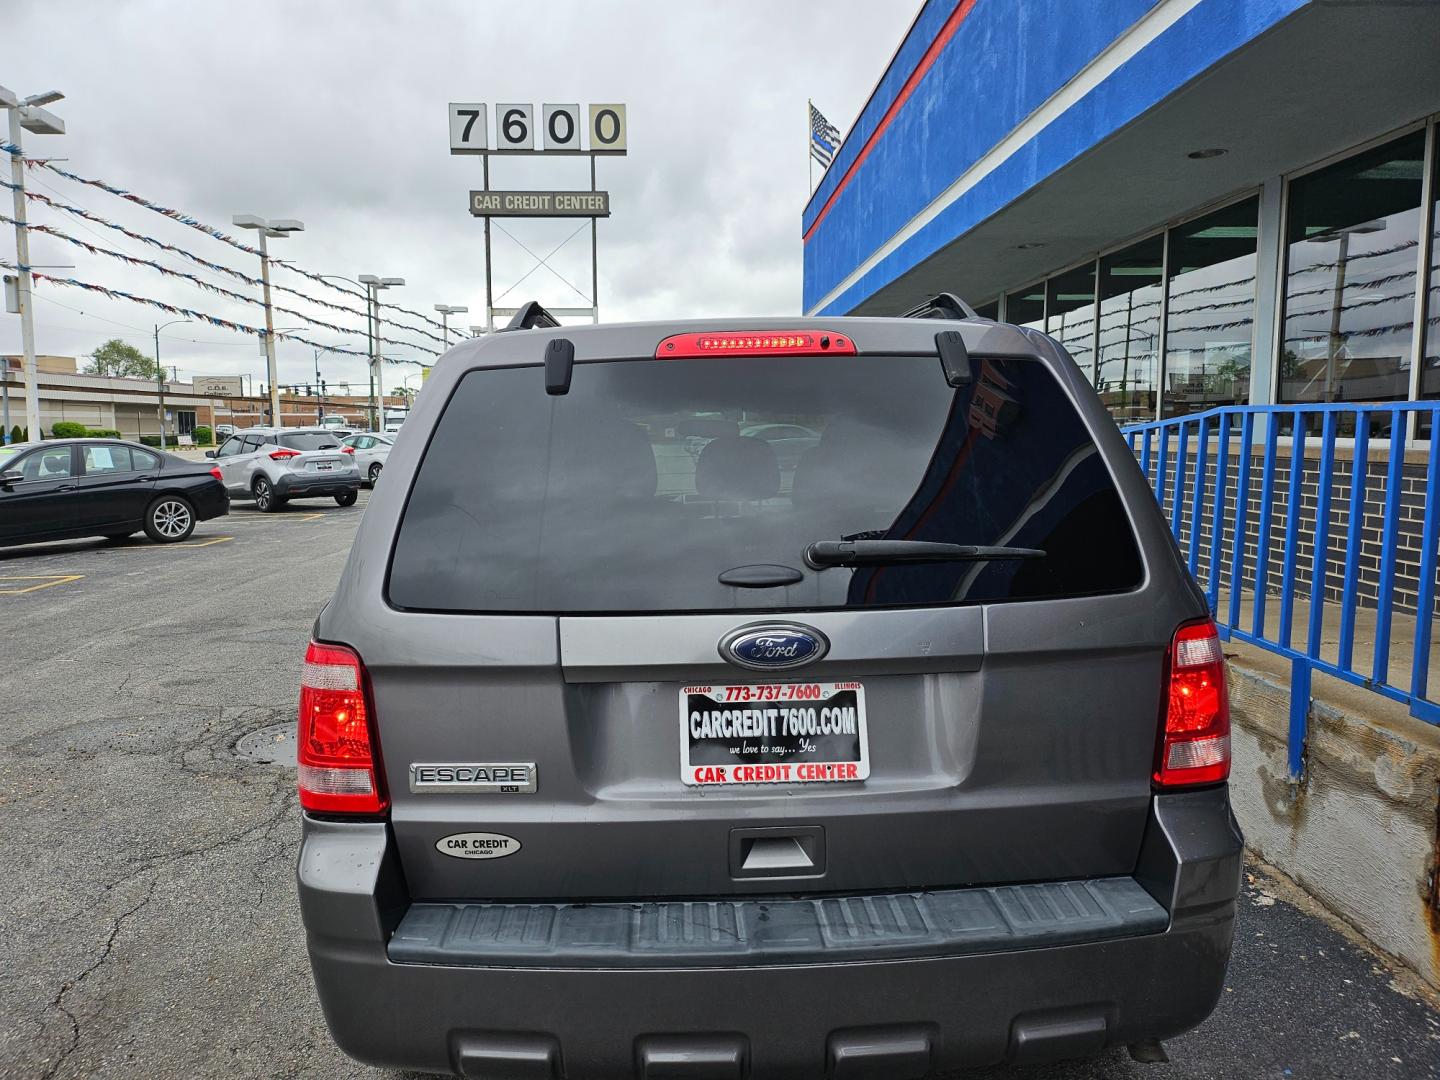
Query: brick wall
column 1408, row 531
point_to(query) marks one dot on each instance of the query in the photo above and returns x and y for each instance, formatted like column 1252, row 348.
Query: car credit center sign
column 540, row 203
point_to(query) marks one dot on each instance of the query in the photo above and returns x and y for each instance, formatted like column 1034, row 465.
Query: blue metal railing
column 1210, row 476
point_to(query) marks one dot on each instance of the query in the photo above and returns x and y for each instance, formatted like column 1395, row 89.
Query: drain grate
column 273, row 745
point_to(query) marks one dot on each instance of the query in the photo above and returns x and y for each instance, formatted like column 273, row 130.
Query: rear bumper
column 303, row 486
column 896, row 1015
column 211, row 503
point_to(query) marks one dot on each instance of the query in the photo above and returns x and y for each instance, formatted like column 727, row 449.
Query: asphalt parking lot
column 148, row 922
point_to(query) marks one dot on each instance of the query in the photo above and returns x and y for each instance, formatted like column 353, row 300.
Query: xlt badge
column 493, row 778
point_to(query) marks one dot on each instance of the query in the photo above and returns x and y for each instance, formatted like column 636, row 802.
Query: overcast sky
column 334, row 112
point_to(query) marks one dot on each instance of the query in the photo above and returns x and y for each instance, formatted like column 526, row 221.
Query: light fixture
column 1030, row 245
column 1209, row 152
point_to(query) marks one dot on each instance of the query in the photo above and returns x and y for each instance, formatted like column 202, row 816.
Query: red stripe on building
column 942, row 39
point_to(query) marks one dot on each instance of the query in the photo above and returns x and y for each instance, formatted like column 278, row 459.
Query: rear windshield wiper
column 825, row 553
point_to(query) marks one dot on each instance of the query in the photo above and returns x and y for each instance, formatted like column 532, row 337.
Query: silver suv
column 274, row 465
column 904, row 752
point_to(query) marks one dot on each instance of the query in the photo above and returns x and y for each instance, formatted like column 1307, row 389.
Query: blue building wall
column 1006, row 58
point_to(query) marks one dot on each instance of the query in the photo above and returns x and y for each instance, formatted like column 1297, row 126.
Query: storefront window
column 1026, row 307
column 1430, row 368
column 1210, row 324
column 1130, row 298
column 1352, row 232
column 1070, row 314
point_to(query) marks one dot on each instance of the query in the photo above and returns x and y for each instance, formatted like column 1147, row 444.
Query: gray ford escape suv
column 632, row 746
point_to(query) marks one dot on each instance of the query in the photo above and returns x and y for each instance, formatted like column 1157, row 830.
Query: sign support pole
column 594, row 258
column 489, row 288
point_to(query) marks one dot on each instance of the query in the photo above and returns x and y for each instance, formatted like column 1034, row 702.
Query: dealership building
column 1208, row 202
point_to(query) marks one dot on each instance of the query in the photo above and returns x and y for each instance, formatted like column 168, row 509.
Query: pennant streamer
column 217, row 267
column 208, row 230
column 199, row 316
column 96, row 249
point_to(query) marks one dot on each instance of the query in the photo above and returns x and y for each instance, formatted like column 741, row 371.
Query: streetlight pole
column 281, row 228
column 446, row 310
column 27, row 113
column 160, row 374
column 373, row 285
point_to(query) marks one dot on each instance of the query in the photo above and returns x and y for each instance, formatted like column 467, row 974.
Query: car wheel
column 347, row 499
column 375, row 473
column 266, row 501
column 170, row 519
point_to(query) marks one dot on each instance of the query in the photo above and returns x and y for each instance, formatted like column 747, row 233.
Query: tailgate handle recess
column 795, row 851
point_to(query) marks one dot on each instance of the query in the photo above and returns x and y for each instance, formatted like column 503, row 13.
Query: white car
column 370, row 449
column 274, row 465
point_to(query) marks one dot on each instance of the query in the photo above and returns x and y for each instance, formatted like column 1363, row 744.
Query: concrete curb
column 1360, row 833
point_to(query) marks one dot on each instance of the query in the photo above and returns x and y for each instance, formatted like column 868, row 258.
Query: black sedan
column 71, row 488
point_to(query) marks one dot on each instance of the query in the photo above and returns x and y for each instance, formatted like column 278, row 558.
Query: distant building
column 131, row 406
column 1208, row 201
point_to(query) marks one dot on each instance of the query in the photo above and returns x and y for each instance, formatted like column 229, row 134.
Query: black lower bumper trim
column 946, row 922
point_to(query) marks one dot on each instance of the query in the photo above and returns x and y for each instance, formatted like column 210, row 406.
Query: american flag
column 824, row 137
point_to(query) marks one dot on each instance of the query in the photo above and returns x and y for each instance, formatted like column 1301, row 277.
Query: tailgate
column 1027, row 763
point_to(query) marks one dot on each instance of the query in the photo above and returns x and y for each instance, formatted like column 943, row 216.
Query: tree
column 117, row 359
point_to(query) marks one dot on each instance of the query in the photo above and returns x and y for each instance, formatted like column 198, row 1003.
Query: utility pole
column 27, row 113
column 446, row 310
column 277, row 229
column 160, row 374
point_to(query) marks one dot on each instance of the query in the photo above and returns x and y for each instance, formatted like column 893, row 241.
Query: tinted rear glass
column 638, row 488
column 309, row 440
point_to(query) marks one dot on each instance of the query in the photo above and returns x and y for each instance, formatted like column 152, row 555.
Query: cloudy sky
column 334, row 112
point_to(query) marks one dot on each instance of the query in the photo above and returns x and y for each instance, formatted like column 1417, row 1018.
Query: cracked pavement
column 148, row 921
column 148, row 918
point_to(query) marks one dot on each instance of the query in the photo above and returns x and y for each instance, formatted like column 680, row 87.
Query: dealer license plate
column 773, row 733
column 323, row 466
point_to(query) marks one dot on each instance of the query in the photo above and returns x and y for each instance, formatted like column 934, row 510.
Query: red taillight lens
column 347, row 449
column 755, row 343
column 282, row 454
column 336, row 751
column 215, row 472
column 1195, row 740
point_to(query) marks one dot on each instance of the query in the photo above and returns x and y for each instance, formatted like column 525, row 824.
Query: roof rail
column 942, row 306
column 530, row 315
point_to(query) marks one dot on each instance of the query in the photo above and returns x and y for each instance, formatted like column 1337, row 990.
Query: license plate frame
column 760, row 734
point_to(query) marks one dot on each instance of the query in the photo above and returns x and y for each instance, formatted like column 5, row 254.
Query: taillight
column 215, row 472
column 283, row 453
column 754, row 343
column 1195, row 738
column 347, row 449
column 336, row 737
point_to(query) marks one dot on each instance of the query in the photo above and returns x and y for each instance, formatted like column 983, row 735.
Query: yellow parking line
column 273, row 519
column 46, row 580
column 187, row 544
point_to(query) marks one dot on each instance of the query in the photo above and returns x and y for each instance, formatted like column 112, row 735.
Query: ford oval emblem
column 773, row 646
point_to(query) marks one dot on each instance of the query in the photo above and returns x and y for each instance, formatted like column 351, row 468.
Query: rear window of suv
column 309, row 440
column 649, row 479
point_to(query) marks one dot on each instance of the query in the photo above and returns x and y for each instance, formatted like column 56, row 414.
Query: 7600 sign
column 560, row 129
